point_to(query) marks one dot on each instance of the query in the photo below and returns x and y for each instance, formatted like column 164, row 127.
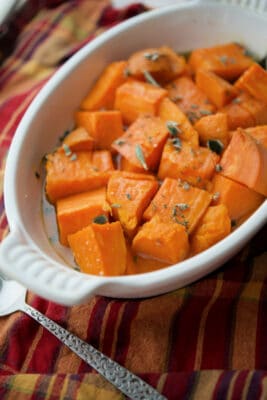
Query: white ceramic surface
column 26, row 254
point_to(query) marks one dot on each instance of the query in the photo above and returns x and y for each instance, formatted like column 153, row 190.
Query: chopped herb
column 165, row 206
column 129, row 197
column 192, row 116
column 218, row 168
column 186, row 186
column 182, row 206
column 140, row 156
column 95, row 169
column 194, row 106
column 177, row 98
column 127, row 72
column 100, row 219
column 216, row 196
column 223, row 59
column 152, row 56
column 150, row 79
column 119, row 142
column 115, row 205
column 205, row 112
column 66, row 149
column 237, row 100
column 177, row 144
column 173, row 128
column 215, row 145
column 37, row 175
column 65, row 134
column 233, row 223
column 73, row 157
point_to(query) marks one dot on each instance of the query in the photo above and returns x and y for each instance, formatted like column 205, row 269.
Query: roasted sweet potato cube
column 255, row 107
column 137, row 264
column 177, row 201
column 213, row 127
column 79, row 210
column 143, row 142
column 103, row 126
column 239, row 199
column 245, row 161
column 214, row 226
column 100, row 249
column 237, row 116
column 78, row 140
column 195, row 165
column 172, row 115
column 77, row 172
column 102, row 94
column 135, row 98
column 128, row 199
column 165, row 241
column 162, row 63
column 190, row 99
column 254, row 81
column 218, row 90
column 227, row 60
column 259, row 133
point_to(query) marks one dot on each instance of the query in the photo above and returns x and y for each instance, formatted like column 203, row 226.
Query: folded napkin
column 204, row 341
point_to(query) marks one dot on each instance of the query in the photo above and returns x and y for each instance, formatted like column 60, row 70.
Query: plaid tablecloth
column 205, row 341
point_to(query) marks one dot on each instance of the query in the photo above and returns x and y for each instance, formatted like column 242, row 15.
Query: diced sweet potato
column 214, row 226
column 213, row 127
column 227, row 60
column 135, row 98
column 195, row 165
column 259, row 133
column 170, row 112
column 77, row 211
column 143, row 142
column 102, row 94
column 239, row 199
column 237, row 116
column 137, row 264
column 67, row 175
column 103, row 126
column 255, row 107
column 78, row 140
column 100, row 249
column 162, row 63
column 245, row 161
column 254, row 81
column 178, row 202
column 133, row 175
column 163, row 241
column 128, row 199
column 190, row 99
column 218, row 90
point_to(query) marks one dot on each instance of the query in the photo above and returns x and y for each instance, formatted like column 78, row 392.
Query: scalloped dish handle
column 20, row 261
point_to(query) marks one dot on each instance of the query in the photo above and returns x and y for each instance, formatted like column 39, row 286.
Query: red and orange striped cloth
column 205, row 341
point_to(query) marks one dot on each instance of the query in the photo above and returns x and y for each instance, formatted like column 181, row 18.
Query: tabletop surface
column 204, row 341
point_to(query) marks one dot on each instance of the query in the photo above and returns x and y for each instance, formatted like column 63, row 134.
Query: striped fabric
column 206, row 341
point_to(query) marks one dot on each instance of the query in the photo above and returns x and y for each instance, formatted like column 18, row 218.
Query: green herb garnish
column 100, row 219
column 120, row 142
column 66, row 149
column 115, row 205
column 173, row 128
column 140, row 156
column 215, row 145
column 150, row 79
column 177, row 144
column 218, row 168
column 152, row 56
column 129, row 197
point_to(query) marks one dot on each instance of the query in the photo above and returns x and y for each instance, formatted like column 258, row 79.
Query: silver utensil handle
column 128, row 383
